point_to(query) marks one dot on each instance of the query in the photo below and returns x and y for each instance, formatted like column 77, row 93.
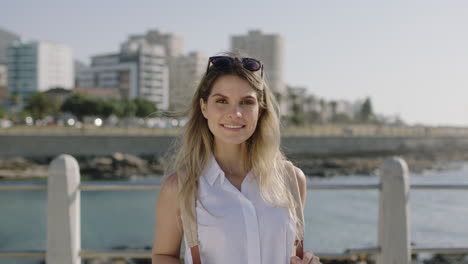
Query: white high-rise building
column 173, row 44
column 6, row 39
column 107, row 71
column 39, row 66
column 185, row 74
column 3, row 82
column 139, row 70
column 269, row 48
column 3, row 75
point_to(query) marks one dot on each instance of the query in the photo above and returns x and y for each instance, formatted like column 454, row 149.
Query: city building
column 269, row 48
column 183, row 69
column 6, row 39
column 185, row 73
column 38, row 66
column 3, row 84
column 173, row 44
column 105, row 93
column 139, row 70
column 58, row 95
column 109, row 71
column 79, row 68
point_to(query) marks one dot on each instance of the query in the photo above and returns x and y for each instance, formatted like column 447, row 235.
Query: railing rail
column 125, row 186
column 347, row 254
column 394, row 187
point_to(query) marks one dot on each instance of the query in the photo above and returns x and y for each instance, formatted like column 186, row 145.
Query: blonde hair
column 268, row 163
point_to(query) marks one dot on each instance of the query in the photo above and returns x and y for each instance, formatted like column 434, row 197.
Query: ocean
column 336, row 220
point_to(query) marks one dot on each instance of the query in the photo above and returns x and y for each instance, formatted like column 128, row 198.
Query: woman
column 230, row 180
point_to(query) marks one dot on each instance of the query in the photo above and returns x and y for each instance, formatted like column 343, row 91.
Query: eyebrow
column 248, row 96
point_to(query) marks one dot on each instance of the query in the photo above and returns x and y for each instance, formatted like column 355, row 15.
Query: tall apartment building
column 269, row 48
column 3, row 83
column 108, row 71
column 185, row 73
column 173, row 44
column 6, row 39
column 183, row 69
column 39, row 66
column 139, row 70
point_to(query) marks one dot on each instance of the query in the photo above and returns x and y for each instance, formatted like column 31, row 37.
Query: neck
column 231, row 159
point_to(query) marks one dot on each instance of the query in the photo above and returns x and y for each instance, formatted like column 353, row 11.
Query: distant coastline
column 121, row 166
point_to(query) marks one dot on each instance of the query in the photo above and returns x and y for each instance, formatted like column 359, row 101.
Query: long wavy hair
column 195, row 146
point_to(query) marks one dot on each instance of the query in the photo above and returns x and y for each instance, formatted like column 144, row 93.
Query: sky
column 409, row 56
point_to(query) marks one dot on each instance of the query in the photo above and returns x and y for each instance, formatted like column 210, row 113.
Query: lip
column 229, row 128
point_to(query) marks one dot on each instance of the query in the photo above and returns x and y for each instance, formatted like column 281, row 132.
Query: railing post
column 394, row 221
column 63, row 211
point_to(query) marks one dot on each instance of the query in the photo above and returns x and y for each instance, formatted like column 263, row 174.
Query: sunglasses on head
column 250, row 64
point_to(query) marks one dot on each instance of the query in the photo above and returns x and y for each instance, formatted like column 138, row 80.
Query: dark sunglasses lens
column 251, row 64
column 221, row 62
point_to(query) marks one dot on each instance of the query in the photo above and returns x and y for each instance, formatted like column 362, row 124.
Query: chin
column 232, row 140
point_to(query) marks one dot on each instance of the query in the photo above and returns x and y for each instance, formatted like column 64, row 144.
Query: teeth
column 229, row 126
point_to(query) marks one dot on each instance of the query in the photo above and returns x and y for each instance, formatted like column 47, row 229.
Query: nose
column 235, row 112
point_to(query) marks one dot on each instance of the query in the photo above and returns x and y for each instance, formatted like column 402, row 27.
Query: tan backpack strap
column 191, row 233
column 190, row 230
column 295, row 192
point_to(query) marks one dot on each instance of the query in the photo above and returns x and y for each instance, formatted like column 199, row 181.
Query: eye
column 247, row 102
column 221, row 101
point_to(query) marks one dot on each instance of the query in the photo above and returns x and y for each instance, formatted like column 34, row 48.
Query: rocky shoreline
column 121, row 166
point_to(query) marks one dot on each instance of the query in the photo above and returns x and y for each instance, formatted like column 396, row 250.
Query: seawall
column 85, row 145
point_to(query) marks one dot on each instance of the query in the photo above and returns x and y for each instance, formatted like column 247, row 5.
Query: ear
column 203, row 107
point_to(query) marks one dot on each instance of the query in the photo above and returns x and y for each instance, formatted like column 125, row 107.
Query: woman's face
column 232, row 110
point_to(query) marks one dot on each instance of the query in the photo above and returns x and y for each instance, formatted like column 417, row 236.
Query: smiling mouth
column 232, row 126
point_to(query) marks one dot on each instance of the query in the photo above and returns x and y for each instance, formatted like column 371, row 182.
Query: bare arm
column 302, row 181
column 168, row 231
column 309, row 257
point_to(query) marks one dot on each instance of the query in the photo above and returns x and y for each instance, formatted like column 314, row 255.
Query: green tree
column 39, row 105
column 3, row 113
column 296, row 110
column 15, row 99
column 124, row 108
column 80, row 106
column 144, row 108
column 104, row 108
column 297, row 115
column 341, row 118
column 366, row 113
column 333, row 106
column 129, row 108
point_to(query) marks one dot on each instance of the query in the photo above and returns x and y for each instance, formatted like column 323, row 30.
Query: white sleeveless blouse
column 239, row 226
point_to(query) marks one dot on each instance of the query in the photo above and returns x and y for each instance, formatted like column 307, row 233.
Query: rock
column 128, row 160
column 16, row 163
column 21, row 168
column 448, row 259
column 118, row 166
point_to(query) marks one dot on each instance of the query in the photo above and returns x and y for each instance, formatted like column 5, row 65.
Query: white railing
column 64, row 227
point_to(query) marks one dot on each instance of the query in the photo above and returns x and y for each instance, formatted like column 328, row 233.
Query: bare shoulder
column 300, row 176
column 301, row 179
column 168, row 195
column 168, row 230
column 170, row 184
